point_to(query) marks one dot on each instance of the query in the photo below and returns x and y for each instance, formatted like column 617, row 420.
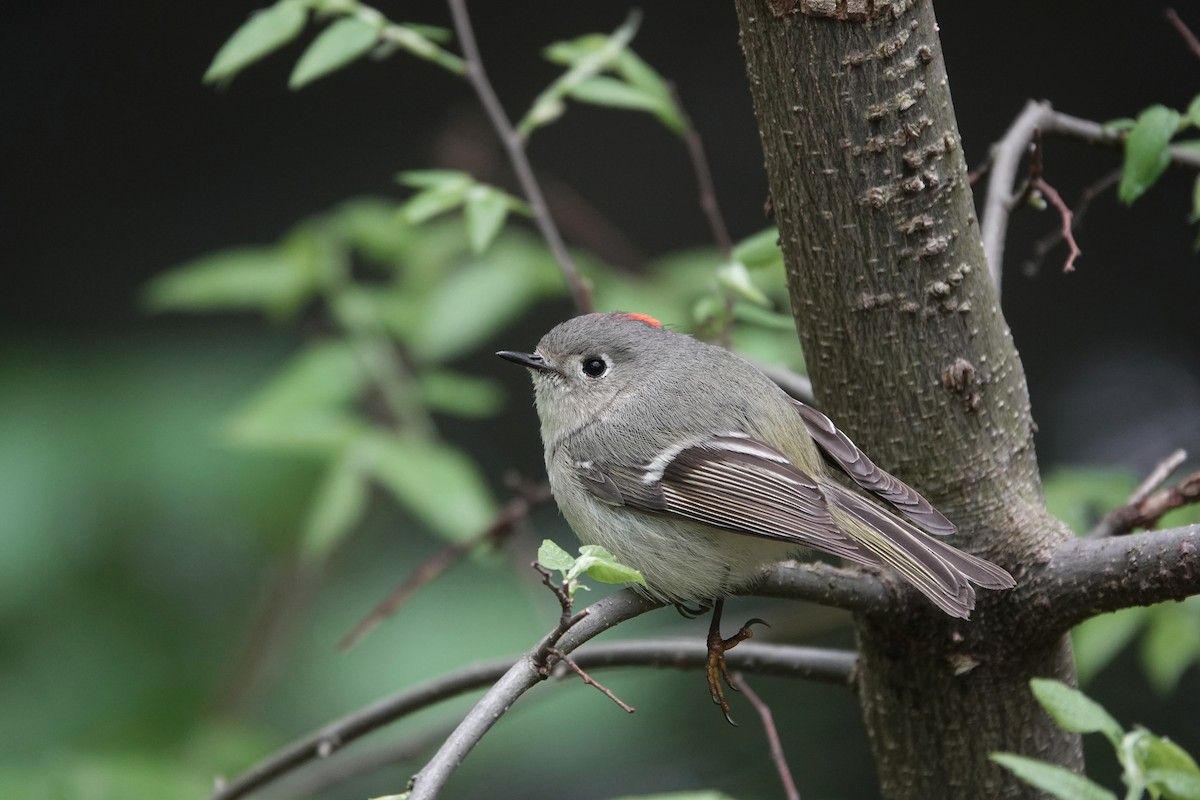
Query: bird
column 690, row 465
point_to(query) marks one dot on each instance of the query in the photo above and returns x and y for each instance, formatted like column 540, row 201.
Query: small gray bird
column 691, row 466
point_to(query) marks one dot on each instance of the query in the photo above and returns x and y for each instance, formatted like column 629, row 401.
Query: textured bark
column 909, row 352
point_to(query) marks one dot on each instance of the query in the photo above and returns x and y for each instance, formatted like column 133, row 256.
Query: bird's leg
column 716, row 667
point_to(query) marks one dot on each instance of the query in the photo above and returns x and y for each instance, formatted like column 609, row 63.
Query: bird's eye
column 594, row 366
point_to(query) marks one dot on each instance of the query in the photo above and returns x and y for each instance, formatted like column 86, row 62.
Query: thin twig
column 1158, row 476
column 589, row 680
column 805, row 663
column 514, row 145
column 1146, row 512
column 522, row 676
column 1109, row 524
column 497, row 530
column 1006, row 158
column 1042, row 246
column 1065, row 215
column 704, row 179
column 768, row 722
column 1192, row 42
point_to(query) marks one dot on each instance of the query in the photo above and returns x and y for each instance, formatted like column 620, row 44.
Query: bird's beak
column 531, row 360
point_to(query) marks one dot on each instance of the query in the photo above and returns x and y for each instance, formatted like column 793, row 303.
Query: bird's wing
column 732, row 482
column 845, row 455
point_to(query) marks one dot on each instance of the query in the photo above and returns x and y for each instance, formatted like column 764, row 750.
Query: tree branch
column 514, row 145
column 818, row 582
column 523, row 675
column 1086, row 577
column 1006, row 158
column 806, row 663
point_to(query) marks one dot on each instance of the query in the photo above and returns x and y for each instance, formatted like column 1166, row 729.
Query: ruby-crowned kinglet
column 691, row 466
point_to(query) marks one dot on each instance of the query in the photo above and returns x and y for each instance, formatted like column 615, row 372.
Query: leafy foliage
column 1152, row 765
column 1147, row 149
column 593, row 561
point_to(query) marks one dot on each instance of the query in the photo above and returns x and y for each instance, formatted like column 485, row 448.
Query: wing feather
column 845, row 455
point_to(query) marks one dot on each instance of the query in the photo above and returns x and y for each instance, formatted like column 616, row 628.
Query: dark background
column 119, row 164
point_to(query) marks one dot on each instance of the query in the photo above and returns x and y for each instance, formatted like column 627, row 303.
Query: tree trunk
column 909, row 352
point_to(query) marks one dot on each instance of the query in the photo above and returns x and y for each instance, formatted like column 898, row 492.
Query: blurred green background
column 160, row 622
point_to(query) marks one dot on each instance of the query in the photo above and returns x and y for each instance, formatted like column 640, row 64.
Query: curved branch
column 1006, row 158
column 520, row 677
column 1086, row 577
column 818, row 582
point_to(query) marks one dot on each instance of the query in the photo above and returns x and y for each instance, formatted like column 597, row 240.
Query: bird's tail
column 939, row 571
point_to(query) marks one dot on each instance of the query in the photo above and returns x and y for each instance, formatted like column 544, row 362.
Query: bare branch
column 1006, row 156
column 1113, row 522
column 1091, row 192
column 704, row 181
column 497, row 530
column 1086, row 577
column 1065, row 215
column 806, row 663
column 515, row 147
column 523, row 675
column 1190, row 38
column 768, row 722
column 818, row 582
column 1146, row 512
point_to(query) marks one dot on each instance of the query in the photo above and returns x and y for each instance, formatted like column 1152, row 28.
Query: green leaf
column 553, row 557
column 604, row 91
column 1120, row 124
column 259, row 36
column 427, row 178
column 1057, row 781
column 548, row 105
column 1159, row 752
column 438, row 197
column 436, row 482
column 306, row 405
column 1146, row 151
column 370, row 225
column 735, row 277
column 337, row 506
column 1196, row 200
column 641, row 75
column 1173, row 784
column 763, row 317
column 274, row 279
column 477, row 300
column 760, row 250
column 342, row 43
column 1193, row 112
column 460, row 395
column 598, row 563
column 485, row 211
column 1074, row 711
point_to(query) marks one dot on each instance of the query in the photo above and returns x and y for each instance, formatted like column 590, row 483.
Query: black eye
column 594, row 367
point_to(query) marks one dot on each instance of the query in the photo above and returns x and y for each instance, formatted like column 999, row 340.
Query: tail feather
column 939, row 571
